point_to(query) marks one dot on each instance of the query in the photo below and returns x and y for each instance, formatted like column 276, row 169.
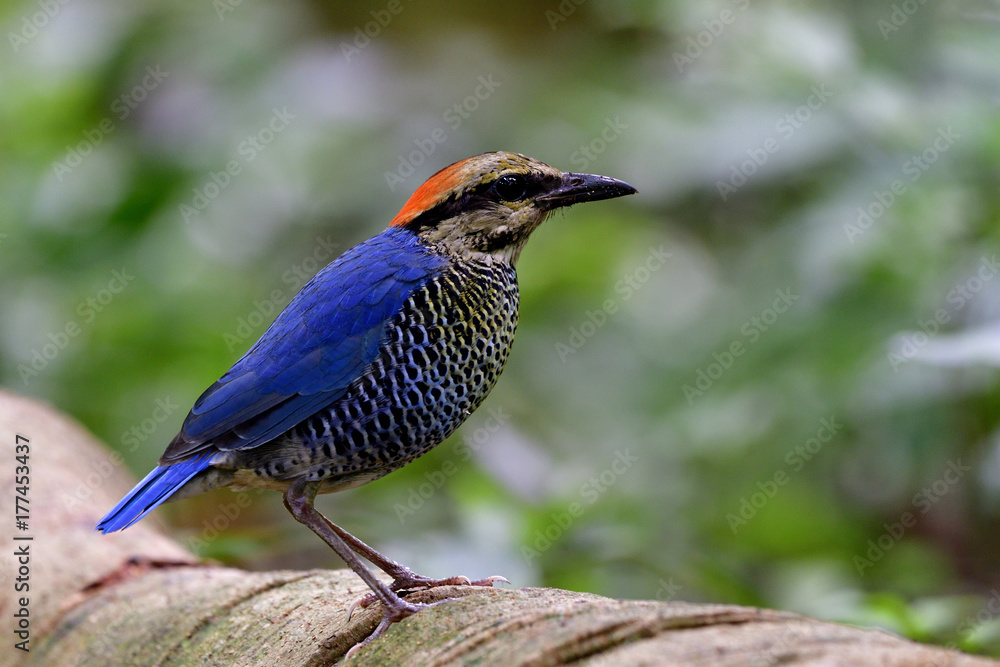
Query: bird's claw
column 411, row 582
column 489, row 581
column 391, row 615
column 404, row 609
column 364, row 602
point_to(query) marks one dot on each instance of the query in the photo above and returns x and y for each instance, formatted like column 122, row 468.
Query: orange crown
column 434, row 190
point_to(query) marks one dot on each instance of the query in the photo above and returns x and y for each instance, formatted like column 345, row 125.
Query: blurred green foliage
column 790, row 334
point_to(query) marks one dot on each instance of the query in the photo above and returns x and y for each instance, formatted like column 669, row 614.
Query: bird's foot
column 409, row 581
column 395, row 612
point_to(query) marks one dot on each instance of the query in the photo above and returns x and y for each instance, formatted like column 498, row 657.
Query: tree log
column 138, row 598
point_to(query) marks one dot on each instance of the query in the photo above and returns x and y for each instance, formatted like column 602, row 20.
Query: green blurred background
column 769, row 378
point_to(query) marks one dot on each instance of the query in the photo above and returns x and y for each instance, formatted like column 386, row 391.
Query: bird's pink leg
column 403, row 578
column 299, row 501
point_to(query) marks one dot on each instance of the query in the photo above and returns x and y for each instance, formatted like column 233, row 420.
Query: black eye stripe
column 481, row 196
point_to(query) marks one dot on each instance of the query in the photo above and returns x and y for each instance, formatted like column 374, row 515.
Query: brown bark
column 138, row 598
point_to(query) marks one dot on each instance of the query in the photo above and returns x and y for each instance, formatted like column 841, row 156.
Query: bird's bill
column 577, row 188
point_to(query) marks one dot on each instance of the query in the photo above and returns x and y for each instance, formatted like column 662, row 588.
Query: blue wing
column 314, row 349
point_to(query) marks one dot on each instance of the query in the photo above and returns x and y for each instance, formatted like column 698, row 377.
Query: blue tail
column 153, row 490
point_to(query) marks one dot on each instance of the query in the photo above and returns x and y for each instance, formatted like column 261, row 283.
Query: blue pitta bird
column 379, row 358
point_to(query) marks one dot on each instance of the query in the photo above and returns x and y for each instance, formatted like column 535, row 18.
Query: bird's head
column 488, row 205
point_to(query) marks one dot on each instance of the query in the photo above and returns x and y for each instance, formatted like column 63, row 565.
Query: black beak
column 577, row 188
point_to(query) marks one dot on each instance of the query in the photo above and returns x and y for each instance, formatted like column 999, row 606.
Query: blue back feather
column 317, row 346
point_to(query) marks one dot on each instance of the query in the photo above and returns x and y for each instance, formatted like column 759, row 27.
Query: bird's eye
column 510, row 187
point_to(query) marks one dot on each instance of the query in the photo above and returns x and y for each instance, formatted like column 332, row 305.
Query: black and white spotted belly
column 442, row 354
